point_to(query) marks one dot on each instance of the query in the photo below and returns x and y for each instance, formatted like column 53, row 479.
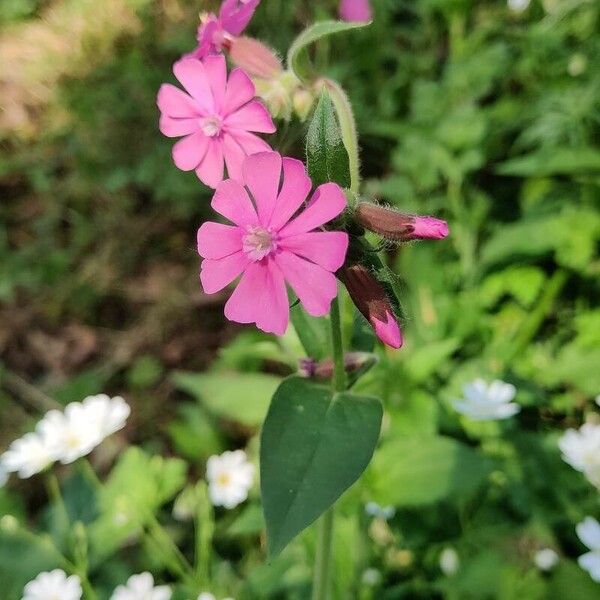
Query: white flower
column 109, row 413
column 518, row 5
column 487, row 402
column 449, row 561
column 82, row 426
column 54, row 585
column 230, row 476
column 581, row 449
column 27, row 456
column 371, row 577
column 545, row 559
column 381, row 512
column 141, row 587
column 588, row 532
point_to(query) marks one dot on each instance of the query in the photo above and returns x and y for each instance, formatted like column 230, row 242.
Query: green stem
column 322, row 574
column 205, row 527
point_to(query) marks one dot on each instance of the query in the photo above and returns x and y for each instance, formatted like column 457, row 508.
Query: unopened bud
column 277, row 94
column 372, row 301
column 303, row 101
column 353, row 362
column 397, row 226
column 255, row 58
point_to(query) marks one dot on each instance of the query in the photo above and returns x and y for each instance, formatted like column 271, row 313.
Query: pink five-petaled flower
column 216, row 33
column 217, row 116
column 358, row 11
column 273, row 242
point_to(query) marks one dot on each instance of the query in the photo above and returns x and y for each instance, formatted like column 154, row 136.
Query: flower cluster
column 66, row 436
column 141, row 587
column 588, row 532
column 53, row 584
column 278, row 235
column 487, row 402
column 581, row 449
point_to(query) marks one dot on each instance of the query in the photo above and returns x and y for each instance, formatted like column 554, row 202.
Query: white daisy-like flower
column 141, row 587
column 27, row 456
column 380, row 512
column 588, row 532
column 487, row 402
column 581, row 449
column 518, row 5
column 83, row 426
column 449, row 561
column 230, row 477
column 545, row 559
column 53, row 585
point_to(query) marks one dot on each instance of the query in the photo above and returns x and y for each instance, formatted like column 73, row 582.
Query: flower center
column 224, row 479
column 258, row 243
column 211, row 126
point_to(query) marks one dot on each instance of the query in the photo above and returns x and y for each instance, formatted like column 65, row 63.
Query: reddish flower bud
column 355, row 10
column 353, row 362
column 372, row 301
column 255, row 58
column 398, row 226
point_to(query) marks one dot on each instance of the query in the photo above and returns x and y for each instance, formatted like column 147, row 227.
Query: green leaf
column 421, row 470
column 240, row 397
column 314, row 446
column 297, row 58
column 326, row 155
column 555, row 161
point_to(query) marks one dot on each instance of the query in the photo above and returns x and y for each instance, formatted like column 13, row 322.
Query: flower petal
column 250, row 143
column 232, row 201
column 216, row 240
column 235, row 18
column 325, row 248
column 219, row 273
column 216, row 71
column 190, row 151
column 588, row 532
column 177, row 127
column 590, row 562
column 234, row 157
column 327, row 202
column 262, row 173
column 260, row 298
column 240, row 90
column 294, row 190
column 174, row 102
column 193, row 77
column 210, row 170
column 314, row 286
column 251, row 117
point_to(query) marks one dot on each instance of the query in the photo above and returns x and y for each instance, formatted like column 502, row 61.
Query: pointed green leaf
column 297, row 58
column 326, row 155
column 314, row 446
column 313, row 332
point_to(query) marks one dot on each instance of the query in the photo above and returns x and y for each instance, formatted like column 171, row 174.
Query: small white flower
column 518, row 5
column 27, row 456
column 82, row 426
column 449, row 561
column 229, row 476
column 588, row 532
column 581, row 449
column 371, row 577
column 54, row 585
column 141, row 587
column 545, row 559
column 381, row 512
column 110, row 414
column 487, row 402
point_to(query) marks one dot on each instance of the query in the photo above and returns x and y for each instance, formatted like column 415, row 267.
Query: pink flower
column 216, row 33
column 273, row 242
column 429, row 228
column 358, row 11
column 216, row 117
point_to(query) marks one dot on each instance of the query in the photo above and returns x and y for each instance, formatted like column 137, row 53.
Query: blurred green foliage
column 484, row 116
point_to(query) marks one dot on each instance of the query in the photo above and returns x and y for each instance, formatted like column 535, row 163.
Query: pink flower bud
column 255, row 58
column 358, row 11
column 372, row 301
column 394, row 225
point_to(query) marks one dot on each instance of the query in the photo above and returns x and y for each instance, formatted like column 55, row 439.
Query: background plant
column 468, row 111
